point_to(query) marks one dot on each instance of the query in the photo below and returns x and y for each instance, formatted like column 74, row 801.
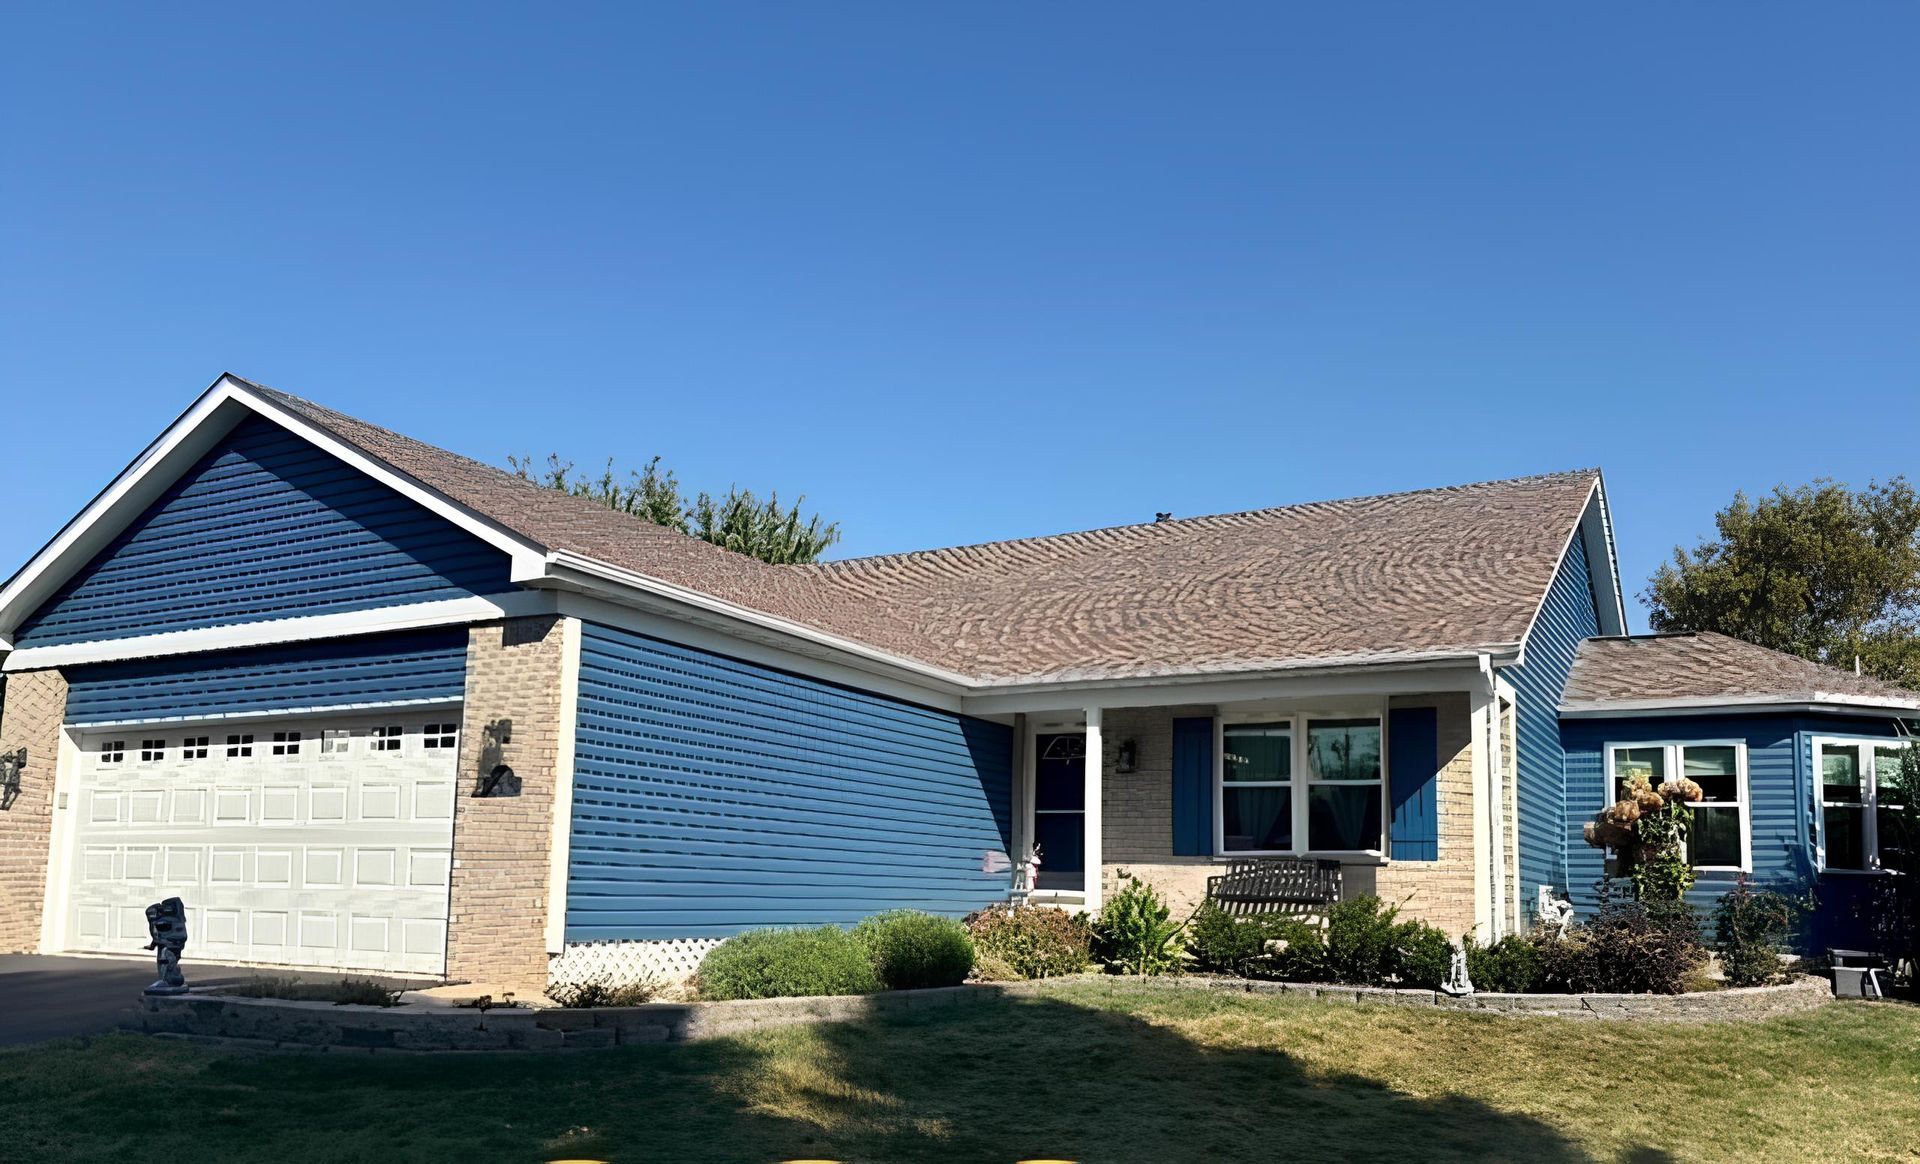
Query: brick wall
column 496, row 928
column 1138, row 807
column 36, row 703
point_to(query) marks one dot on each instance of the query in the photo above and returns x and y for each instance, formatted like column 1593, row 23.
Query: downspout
column 1496, row 818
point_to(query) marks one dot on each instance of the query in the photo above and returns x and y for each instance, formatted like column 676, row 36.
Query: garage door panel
column 322, row 843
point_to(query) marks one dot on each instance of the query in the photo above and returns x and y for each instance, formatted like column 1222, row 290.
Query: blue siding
column 416, row 666
column 1413, row 770
column 265, row 526
column 713, row 795
column 1193, row 786
column 1568, row 616
column 1779, row 788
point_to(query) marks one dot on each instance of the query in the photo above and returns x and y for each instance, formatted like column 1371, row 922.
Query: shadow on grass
column 1043, row 1078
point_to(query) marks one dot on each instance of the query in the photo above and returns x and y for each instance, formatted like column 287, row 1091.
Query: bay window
column 1280, row 773
column 1720, row 837
column 1860, row 808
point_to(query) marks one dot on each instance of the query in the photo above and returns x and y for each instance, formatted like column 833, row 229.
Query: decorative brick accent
column 36, row 704
column 1138, row 808
column 496, row 927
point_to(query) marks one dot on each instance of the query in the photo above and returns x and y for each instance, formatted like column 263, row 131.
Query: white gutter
column 1815, row 701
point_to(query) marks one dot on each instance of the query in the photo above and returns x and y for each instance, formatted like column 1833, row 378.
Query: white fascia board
column 591, row 576
column 1820, row 702
column 379, row 620
column 1451, row 674
column 185, row 441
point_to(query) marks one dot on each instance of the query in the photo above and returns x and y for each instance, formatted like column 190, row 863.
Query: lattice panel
column 669, row 961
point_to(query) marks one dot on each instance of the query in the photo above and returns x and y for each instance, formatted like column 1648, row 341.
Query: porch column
column 1092, row 814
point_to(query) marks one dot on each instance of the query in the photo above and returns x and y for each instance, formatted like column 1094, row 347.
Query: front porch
column 1397, row 786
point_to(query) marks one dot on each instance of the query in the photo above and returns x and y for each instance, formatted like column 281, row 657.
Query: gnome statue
column 167, row 927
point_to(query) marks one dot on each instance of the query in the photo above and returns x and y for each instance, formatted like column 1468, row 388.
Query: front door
column 1060, row 810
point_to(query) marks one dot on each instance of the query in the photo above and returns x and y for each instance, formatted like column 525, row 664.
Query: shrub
column 603, row 990
column 1750, row 925
column 911, row 950
column 1362, row 941
column 1423, row 955
column 1297, row 949
column 1028, row 942
column 1631, row 947
column 1223, row 943
column 346, row 992
column 1135, row 933
column 787, row 963
column 1508, row 966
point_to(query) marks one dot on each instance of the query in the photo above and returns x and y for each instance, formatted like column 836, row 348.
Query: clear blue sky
column 981, row 271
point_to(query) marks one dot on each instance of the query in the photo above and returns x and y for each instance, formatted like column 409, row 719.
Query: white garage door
column 311, row 842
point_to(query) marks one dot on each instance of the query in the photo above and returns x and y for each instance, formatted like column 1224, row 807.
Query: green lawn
column 1093, row 1072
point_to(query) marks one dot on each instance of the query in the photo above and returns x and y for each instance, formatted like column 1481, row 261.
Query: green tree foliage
column 1821, row 571
column 740, row 521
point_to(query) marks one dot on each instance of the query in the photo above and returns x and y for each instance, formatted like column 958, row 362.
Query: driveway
column 53, row 998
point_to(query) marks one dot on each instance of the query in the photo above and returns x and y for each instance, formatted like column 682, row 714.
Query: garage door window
column 193, row 748
column 239, row 747
column 152, row 750
column 113, row 751
column 387, row 738
column 286, row 743
column 440, row 735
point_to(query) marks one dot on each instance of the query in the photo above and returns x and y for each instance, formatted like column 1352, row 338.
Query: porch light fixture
column 11, row 764
column 1129, row 756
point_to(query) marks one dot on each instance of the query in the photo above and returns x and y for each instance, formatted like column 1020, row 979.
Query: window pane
column 1898, row 844
column 1342, row 817
column 1257, row 818
column 1631, row 762
column 1059, row 773
column 1886, row 775
column 1841, row 827
column 1257, row 751
column 1716, row 837
column 1716, row 769
column 1343, row 749
column 1840, row 775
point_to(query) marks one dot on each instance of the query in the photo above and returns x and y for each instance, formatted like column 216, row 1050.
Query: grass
column 1093, row 1071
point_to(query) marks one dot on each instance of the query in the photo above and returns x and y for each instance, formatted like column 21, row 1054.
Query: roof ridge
column 1231, row 516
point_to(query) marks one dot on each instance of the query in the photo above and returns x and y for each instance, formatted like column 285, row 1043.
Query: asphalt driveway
column 52, row 998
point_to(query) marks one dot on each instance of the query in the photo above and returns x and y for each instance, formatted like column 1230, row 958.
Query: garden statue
column 1457, row 982
column 167, row 927
column 1555, row 913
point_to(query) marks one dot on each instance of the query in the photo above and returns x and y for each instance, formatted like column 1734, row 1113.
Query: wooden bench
column 1271, row 885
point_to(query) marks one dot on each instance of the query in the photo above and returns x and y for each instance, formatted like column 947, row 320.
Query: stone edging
column 1744, row 1002
column 324, row 1026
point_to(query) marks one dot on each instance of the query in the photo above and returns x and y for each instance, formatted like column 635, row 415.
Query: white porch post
column 1092, row 815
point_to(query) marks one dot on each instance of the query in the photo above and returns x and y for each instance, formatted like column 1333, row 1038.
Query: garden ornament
column 1555, row 912
column 1457, row 982
column 167, row 927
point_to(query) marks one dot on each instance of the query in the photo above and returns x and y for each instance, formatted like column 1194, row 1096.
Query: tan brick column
column 496, row 929
column 36, row 703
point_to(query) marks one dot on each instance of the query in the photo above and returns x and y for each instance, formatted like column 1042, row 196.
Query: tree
column 740, row 522
column 1821, row 571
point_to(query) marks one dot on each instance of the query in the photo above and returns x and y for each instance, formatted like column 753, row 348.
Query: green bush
column 788, row 963
column 911, row 950
column 1297, row 949
column 1508, row 966
column 1423, row 955
column 1135, row 933
column 1363, row 939
column 1028, row 942
column 1225, row 944
column 1750, row 927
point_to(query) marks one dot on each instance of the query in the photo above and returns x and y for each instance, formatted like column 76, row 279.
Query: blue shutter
column 1413, row 764
column 1193, row 787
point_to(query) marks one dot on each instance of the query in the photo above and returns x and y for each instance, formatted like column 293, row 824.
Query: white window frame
column 1869, row 800
column 1676, row 768
column 195, row 747
column 1299, row 783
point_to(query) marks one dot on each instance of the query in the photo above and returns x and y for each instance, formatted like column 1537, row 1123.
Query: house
column 364, row 703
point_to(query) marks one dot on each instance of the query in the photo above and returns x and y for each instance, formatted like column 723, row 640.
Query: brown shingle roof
column 1651, row 669
column 1441, row 571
